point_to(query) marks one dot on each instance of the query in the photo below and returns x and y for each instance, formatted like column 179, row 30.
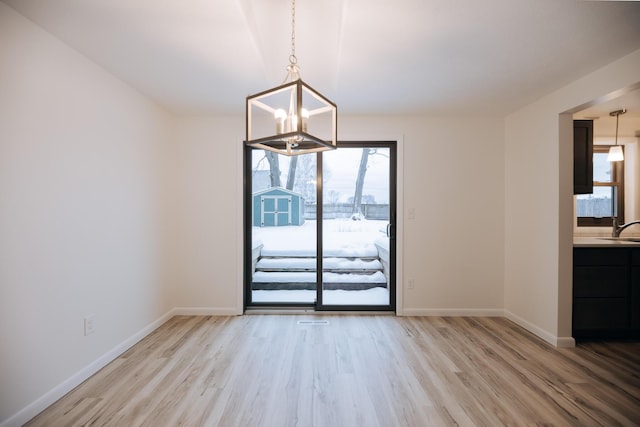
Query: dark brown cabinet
column 635, row 290
column 582, row 156
column 606, row 292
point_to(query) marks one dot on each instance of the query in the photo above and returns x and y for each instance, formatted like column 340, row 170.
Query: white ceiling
column 368, row 56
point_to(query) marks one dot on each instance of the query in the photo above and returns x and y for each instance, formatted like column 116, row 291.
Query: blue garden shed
column 277, row 206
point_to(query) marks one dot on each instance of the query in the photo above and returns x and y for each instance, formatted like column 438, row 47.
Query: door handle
column 391, row 231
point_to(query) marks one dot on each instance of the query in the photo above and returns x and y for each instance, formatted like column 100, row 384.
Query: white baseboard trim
column 205, row 311
column 562, row 342
column 565, row 342
column 454, row 312
column 46, row 400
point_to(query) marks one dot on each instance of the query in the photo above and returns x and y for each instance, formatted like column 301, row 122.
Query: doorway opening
column 320, row 228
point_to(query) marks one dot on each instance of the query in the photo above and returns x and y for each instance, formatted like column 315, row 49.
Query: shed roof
column 278, row 190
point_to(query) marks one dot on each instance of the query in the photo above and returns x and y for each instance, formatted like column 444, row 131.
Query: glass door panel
column 283, row 233
column 357, row 227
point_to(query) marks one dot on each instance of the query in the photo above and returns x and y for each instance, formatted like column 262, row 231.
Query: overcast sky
column 342, row 165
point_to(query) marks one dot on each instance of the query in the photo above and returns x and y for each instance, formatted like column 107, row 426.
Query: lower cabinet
column 606, row 292
column 635, row 290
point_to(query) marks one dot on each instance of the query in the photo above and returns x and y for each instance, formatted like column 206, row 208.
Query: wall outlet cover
column 89, row 324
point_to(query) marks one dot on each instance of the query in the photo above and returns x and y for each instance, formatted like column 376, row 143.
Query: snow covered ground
column 342, row 238
column 306, row 277
column 327, row 263
column 373, row 296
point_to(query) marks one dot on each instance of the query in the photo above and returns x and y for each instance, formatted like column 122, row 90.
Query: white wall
column 453, row 178
column 83, row 224
column 452, row 173
column 209, row 233
column 539, row 200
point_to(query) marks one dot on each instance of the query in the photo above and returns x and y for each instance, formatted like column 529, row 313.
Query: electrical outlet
column 410, row 284
column 89, row 324
column 412, row 213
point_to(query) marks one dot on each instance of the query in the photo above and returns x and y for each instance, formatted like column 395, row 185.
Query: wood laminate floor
column 268, row 370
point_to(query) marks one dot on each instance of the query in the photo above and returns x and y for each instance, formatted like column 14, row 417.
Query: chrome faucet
column 617, row 229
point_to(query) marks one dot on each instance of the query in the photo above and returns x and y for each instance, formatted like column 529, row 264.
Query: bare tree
column 274, row 167
column 332, row 197
column 362, row 170
column 301, row 175
column 305, row 177
column 291, row 178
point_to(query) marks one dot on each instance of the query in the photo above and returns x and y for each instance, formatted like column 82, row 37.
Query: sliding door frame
column 248, row 241
column 318, row 305
column 392, row 145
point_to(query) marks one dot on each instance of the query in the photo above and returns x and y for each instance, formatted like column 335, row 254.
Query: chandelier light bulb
column 280, row 115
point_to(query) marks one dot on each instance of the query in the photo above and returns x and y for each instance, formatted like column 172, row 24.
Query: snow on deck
column 342, row 238
column 306, row 277
column 310, row 264
column 373, row 296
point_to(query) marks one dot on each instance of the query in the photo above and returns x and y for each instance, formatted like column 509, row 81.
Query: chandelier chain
column 293, row 58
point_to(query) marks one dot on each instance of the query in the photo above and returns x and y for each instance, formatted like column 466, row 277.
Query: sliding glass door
column 357, row 227
column 282, row 228
column 340, row 204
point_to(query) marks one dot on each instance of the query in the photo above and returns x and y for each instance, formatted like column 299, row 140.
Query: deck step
column 338, row 265
column 306, row 280
column 368, row 251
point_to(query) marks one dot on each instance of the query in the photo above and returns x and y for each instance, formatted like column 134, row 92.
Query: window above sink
column 607, row 199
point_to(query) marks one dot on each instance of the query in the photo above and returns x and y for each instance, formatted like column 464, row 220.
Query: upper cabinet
column 582, row 156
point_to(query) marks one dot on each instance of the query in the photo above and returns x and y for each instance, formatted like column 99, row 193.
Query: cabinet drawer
column 600, row 313
column 600, row 282
column 589, row 256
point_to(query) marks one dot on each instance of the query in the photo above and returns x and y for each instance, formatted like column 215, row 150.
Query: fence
column 345, row 210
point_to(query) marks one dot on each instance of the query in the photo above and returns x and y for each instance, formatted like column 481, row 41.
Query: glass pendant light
column 615, row 152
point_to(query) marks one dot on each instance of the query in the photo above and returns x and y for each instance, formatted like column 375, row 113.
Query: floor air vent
column 313, row 322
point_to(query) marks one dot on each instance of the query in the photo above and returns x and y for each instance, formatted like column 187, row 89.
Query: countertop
column 601, row 242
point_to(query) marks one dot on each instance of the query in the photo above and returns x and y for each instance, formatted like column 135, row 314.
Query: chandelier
column 292, row 118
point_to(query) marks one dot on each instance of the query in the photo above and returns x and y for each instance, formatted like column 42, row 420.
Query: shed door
column 276, row 210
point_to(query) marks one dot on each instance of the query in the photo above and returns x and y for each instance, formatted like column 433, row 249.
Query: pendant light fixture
column 292, row 118
column 615, row 152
